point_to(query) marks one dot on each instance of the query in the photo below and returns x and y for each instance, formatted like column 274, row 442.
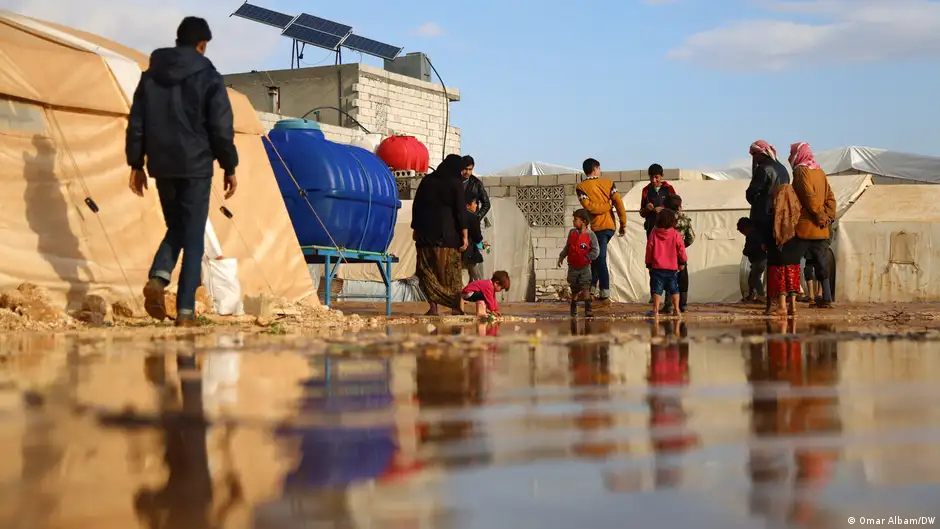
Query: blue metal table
column 331, row 258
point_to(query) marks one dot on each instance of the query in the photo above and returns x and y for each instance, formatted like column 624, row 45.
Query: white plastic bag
column 220, row 277
column 221, row 280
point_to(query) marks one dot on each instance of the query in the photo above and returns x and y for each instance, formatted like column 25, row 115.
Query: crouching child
column 580, row 251
column 483, row 293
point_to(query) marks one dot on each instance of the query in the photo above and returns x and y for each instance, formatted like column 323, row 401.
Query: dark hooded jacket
column 181, row 118
column 473, row 188
column 437, row 214
column 765, row 176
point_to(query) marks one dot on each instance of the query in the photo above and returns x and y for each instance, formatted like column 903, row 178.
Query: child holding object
column 472, row 259
column 483, row 293
column 684, row 227
column 581, row 250
column 665, row 256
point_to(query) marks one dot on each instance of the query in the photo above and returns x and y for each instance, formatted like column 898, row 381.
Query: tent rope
column 247, row 246
column 94, row 209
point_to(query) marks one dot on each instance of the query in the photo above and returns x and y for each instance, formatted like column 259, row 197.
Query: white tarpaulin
column 881, row 162
column 509, row 235
column 889, row 246
column 715, row 258
column 535, row 169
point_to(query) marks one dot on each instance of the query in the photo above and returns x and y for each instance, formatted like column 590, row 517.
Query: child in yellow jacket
column 599, row 196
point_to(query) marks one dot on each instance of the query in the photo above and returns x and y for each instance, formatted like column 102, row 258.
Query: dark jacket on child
column 753, row 247
column 472, row 254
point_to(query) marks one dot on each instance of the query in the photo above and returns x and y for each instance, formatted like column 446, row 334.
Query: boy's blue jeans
column 185, row 204
column 600, row 273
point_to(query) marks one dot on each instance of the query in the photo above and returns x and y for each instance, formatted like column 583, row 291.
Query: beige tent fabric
column 40, row 70
column 62, row 125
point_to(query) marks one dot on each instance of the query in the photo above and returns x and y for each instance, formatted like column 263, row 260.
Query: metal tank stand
column 331, row 258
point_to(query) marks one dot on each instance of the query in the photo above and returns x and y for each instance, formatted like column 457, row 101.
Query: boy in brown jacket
column 599, row 196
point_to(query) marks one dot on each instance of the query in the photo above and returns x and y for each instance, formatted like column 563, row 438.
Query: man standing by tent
column 180, row 123
column 600, row 197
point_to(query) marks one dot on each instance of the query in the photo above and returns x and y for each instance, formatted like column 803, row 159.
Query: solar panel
column 312, row 36
column 324, row 25
column 264, row 16
column 372, row 47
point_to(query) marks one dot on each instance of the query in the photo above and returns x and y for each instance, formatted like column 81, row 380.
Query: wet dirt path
column 459, row 425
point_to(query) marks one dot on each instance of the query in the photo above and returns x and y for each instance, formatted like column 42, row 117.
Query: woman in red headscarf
column 817, row 213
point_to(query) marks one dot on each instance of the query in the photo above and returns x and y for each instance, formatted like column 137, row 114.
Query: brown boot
column 155, row 299
column 187, row 321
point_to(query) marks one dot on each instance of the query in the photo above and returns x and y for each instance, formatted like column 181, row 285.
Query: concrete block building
column 381, row 101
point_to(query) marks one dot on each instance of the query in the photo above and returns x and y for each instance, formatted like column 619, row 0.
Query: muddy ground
column 27, row 308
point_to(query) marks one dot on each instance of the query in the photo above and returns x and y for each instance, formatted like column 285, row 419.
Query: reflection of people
column 187, row 497
column 180, row 123
column 813, row 365
column 589, row 366
column 669, row 366
column 451, row 382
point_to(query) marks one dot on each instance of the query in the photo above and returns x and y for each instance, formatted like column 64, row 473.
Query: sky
column 682, row 83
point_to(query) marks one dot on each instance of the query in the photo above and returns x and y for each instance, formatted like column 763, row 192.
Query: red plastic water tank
column 404, row 153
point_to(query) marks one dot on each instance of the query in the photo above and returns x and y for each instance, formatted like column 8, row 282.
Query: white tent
column 535, row 169
column 888, row 246
column 715, row 258
column 881, row 162
column 509, row 235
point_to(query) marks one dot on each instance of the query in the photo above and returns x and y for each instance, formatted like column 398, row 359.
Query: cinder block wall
column 383, row 102
column 549, row 209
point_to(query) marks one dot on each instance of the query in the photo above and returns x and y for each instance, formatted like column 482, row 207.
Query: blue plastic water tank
column 352, row 191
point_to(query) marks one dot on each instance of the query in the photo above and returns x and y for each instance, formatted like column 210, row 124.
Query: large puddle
column 589, row 425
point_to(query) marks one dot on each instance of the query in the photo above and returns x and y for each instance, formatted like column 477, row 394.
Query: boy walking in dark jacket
column 181, row 123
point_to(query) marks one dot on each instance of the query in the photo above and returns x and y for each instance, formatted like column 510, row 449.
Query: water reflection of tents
column 64, row 99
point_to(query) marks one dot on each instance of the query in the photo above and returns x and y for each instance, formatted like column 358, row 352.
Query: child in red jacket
column 665, row 256
column 483, row 293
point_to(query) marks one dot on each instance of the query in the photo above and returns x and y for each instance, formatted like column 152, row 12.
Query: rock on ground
column 28, row 307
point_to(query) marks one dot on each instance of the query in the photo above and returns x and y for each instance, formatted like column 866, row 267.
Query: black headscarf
column 451, row 166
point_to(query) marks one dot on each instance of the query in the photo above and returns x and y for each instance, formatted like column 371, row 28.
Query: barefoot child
column 483, row 293
column 665, row 256
column 581, row 250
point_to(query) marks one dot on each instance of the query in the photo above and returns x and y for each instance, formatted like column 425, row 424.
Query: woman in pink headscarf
column 817, row 213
